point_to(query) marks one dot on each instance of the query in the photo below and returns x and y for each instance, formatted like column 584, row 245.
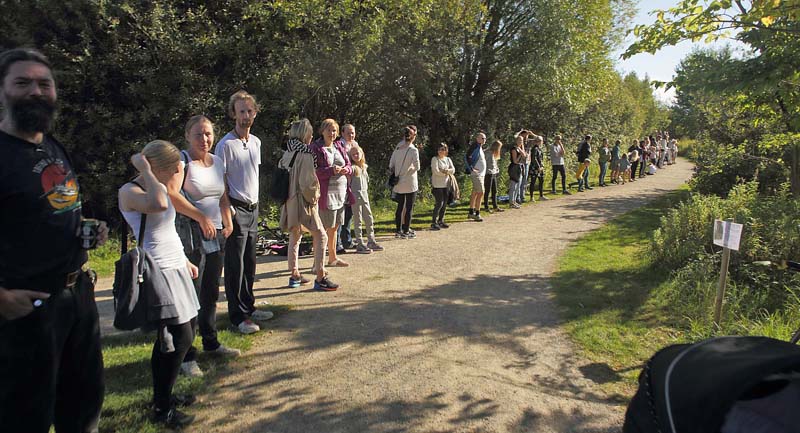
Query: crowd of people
column 47, row 309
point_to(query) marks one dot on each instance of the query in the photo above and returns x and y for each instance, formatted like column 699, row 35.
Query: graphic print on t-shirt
column 59, row 186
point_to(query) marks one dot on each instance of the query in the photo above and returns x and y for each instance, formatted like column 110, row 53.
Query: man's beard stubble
column 31, row 114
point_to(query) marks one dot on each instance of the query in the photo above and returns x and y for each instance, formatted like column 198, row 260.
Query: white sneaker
column 224, row 351
column 191, row 369
column 248, row 327
column 261, row 315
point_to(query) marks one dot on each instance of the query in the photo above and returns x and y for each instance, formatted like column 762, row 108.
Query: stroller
column 274, row 241
column 720, row 385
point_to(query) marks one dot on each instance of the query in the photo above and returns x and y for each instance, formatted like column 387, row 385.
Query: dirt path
column 455, row 331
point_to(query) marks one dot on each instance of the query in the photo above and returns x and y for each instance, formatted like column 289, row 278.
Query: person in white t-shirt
column 240, row 152
column 202, row 197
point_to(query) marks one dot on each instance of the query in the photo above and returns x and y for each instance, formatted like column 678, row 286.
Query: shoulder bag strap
column 404, row 161
column 144, row 218
column 291, row 163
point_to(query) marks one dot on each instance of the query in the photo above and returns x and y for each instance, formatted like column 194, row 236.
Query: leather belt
column 244, row 205
column 48, row 283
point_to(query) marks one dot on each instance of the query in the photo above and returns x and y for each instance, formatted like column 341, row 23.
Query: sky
column 661, row 65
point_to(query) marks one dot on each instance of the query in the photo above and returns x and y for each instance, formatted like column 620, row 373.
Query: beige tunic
column 300, row 208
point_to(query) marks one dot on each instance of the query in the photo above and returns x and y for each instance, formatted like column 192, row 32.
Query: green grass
column 129, row 383
column 606, row 286
column 102, row 259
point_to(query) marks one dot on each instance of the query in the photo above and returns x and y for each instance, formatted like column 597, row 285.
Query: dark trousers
column 534, row 177
column 345, row 238
column 490, row 189
column 240, row 265
column 440, row 207
column 642, row 166
column 207, row 286
column 165, row 366
column 634, row 166
column 559, row 169
column 405, row 211
column 51, row 365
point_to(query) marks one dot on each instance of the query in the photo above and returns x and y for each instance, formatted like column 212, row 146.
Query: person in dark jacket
column 536, row 171
column 584, row 152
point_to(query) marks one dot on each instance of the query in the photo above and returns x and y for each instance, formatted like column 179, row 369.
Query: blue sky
column 661, row 65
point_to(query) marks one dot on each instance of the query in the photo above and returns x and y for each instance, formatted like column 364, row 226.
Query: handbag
column 279, row 186
column 138, row 284
column 187, row 228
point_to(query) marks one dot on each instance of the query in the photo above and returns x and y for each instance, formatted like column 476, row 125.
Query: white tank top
column 161, row 240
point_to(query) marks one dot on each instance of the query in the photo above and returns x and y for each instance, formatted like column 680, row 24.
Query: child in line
column 359, row 183
column 624, row 167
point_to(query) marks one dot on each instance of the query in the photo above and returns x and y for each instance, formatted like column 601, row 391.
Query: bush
column 762, row 299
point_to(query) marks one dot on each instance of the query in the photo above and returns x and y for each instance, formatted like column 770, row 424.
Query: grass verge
column 129, row 388
column 606, row 286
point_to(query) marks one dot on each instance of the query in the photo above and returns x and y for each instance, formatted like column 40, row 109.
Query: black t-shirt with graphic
column 41, row 210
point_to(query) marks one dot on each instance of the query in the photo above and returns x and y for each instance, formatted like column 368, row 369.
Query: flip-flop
column 338, row 263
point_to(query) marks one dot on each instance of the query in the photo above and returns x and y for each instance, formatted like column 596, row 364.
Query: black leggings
column 539, row 176
column 490, row 188
column 165, row 366
column 559, row 169
column 634, row 166
column 405, row 208
column 440, row 195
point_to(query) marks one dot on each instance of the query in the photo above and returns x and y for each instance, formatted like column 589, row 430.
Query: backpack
column 279, row 187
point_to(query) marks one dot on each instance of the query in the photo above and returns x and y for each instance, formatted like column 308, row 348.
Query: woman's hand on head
column 140, row 163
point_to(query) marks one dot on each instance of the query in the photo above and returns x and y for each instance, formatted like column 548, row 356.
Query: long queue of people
column 50, row 330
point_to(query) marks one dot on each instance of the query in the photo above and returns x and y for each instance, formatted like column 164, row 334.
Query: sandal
column 338, row 263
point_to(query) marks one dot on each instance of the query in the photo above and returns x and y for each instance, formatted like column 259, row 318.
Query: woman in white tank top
column 158, row 164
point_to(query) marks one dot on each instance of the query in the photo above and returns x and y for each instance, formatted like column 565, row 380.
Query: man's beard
column 31, row 114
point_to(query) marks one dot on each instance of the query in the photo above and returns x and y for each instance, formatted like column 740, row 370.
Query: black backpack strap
column 144, row 218
column 291, row 163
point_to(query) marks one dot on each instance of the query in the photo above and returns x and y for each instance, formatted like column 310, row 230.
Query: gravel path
column 455, row 331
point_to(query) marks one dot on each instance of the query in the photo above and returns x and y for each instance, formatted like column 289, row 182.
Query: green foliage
column 131, row 71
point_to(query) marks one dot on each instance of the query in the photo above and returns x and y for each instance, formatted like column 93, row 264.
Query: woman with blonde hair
column 333, row 172
column 490, row 181
column 144, row 201
column 518, row 159
column 300, row 211
column 362, row 213
column 202, row 196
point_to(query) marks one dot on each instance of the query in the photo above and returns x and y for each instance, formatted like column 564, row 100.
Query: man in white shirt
column 240, row 152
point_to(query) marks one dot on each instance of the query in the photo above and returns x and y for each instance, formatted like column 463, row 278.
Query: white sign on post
column 727, row 234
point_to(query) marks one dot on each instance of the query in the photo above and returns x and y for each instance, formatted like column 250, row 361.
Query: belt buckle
column 72, row 279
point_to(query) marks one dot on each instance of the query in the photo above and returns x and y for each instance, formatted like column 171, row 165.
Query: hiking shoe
column 363, row 249
column 191, row 369
column 400, row 235
column 295, row 282
column 435, row 227
column 565, row 192
column 442, row 225
column 411, row 234
column 589, row 188
column 374, row 246
column 580, row 189
column 541, row 197
column 325, row 285
column 248, row 327
column 224, row 351
column 261, row 315
column 498, row 209
column 172, row 418
column 478, row 218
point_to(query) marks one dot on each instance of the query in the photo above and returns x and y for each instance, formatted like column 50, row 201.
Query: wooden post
column 723, row 282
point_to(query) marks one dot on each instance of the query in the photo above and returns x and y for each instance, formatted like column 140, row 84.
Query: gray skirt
column 183, row 293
